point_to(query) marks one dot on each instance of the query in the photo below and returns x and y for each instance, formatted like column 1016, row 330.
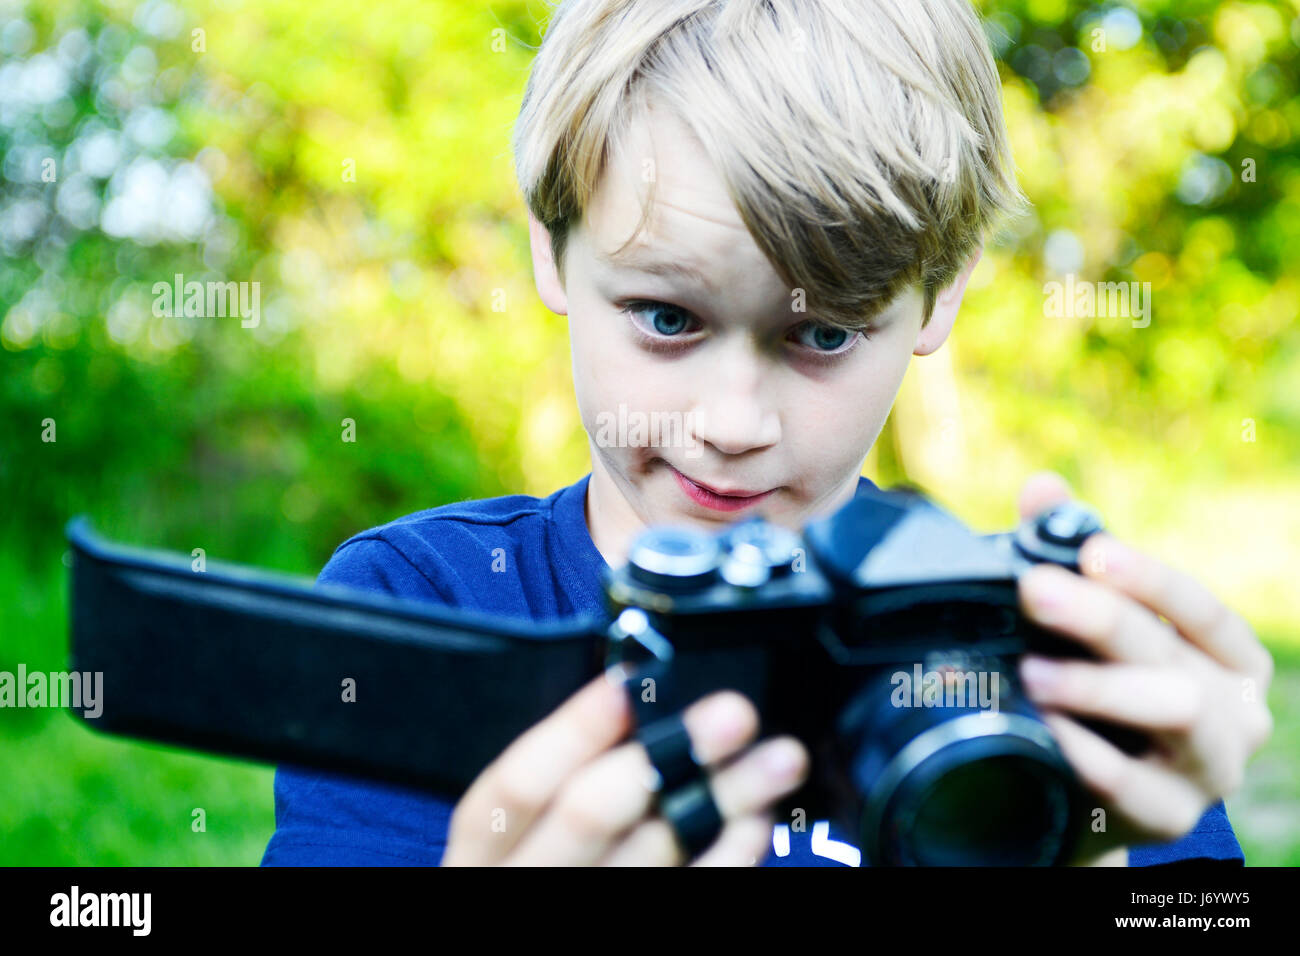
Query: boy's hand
column 1196, row 681
column 569, row 792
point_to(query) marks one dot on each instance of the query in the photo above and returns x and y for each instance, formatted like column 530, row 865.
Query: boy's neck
column 611, row 522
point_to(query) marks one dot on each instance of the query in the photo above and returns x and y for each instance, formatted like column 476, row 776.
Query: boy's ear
column 935, row 332
column 550, row 286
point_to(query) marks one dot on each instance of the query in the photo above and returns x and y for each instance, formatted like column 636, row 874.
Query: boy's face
column 765, row 402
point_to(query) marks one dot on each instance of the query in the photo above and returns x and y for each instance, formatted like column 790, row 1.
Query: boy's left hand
column 1196, row 681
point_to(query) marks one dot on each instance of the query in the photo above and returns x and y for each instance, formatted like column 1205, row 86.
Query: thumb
column 1041, row 491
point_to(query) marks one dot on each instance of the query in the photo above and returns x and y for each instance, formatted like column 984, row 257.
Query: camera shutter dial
column 1057, row 534
column 1068, row 524
column 757, row 551
column 674, row 558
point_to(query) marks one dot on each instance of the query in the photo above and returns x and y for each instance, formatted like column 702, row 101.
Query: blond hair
column 862, row 141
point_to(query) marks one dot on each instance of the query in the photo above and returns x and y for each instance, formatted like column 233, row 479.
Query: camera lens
column 966, row 808
column 956, row 785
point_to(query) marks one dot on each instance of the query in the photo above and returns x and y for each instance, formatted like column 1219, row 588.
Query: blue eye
column 827, row 339
column 668, row 320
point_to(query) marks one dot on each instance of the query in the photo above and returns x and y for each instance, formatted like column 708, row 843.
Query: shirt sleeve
column 1211, row 841
column 330, row 819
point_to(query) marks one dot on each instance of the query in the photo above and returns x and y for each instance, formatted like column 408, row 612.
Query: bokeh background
column 354, row 160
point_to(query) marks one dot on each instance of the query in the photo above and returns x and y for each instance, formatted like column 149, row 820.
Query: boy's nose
column 734, row 428
column 736, row 412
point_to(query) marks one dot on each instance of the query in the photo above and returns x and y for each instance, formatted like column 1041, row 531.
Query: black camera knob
column 674, row 558
column 1068, row 524
column 757, row 551
column 1057, row 534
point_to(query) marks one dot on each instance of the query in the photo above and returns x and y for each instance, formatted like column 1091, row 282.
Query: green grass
column 75, row 797
column 79, row 798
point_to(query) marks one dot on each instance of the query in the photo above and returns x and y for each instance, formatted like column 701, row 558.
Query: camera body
column 885, row 637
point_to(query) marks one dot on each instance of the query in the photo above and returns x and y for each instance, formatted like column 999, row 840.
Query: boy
column 753, row 214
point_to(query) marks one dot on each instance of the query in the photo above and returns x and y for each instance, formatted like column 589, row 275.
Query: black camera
column 885, row 637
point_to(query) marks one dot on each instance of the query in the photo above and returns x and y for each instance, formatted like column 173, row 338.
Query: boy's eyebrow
column 651, row 264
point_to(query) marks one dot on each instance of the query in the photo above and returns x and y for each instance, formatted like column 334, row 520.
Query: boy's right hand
column 569, row 792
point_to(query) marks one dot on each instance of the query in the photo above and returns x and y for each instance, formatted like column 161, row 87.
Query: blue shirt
column 447, row 555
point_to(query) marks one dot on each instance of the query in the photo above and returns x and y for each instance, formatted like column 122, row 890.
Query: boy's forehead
column 693, row 220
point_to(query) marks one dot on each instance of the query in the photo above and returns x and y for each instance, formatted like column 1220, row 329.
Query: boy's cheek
column 603, row 375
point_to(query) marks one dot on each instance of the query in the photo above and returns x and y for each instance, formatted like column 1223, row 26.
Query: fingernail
column 726, row 717
column 1039, row 673
column 614, row 696
column 783, row 759
column 1047, row 593
column 615, row 674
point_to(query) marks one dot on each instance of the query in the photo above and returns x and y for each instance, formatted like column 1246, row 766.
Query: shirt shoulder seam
column 368, row 536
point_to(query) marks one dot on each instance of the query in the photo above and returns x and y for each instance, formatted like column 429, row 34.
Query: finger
column 508, row 796
column 1041, row 491
column 1215, row 753
column 744, row 842
column 1157, row 698
column 1111, row 625
column 759, row 777
column 1159, row 803
column 1190, row 606
column 743, row 790
column 651, row 843
column 614, row 792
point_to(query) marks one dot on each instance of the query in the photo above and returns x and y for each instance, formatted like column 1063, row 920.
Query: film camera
column 884, row 636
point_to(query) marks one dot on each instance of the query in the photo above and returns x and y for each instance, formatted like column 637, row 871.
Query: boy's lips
column 731, row 500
